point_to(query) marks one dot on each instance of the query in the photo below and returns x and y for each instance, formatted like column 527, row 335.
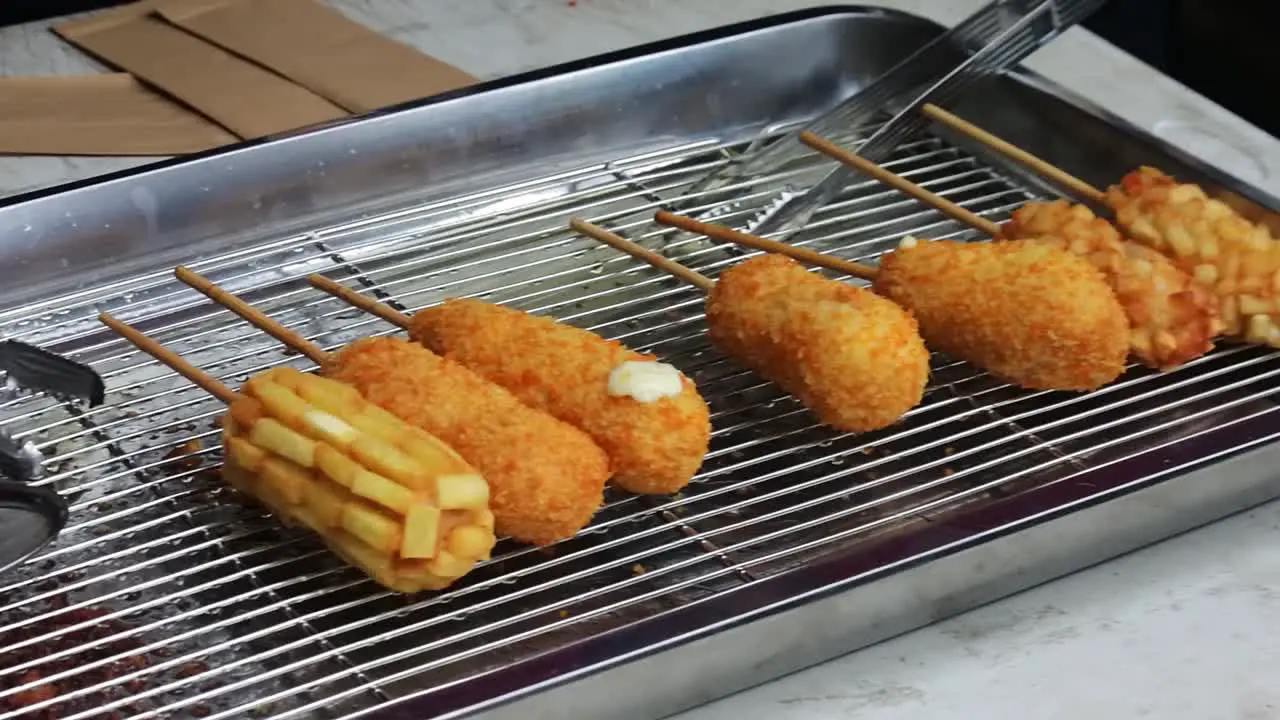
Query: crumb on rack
column 184, row 456
column 638, row 569
column 192, row 669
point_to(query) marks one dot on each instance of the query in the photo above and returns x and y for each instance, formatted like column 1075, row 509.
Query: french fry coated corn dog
column 1239, row 261
column 1031, row 314
column 546, row 477
column 388, row 497
column 647, row 416
column 1172, row 318
column 853, row 358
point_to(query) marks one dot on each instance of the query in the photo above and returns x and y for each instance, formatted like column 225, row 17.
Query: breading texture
column 547, row 477
column 653, row 448
column 854, row 359
column 1030, row 314
column 1172, row 318
column 1238, row 260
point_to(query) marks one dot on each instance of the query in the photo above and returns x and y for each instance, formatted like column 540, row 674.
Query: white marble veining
column 1179, row 630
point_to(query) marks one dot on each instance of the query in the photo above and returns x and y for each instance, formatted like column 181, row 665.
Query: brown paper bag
column 319, row 48
column 98, row 115
column 245, row 98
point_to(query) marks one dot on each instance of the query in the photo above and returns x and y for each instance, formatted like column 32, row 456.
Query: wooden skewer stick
column 1041, row 167
column 254, row 316
column 693, row 277
column 355, row 299
column 720, row 232
column 899, row 183
column 202, row 379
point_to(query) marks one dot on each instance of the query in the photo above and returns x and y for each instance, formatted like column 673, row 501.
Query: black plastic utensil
column 37, row 370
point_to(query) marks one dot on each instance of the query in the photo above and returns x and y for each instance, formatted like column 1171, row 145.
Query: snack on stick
column 1031, row 314
column 546, row 477
column 389, row 498
column 853, row 358
column 646, row 415
column 1172, row 318
column 1239, row 261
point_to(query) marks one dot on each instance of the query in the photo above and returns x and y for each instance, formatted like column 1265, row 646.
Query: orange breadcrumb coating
column 1172, row 318
column 547, row 477
column 1030, row 314
column 1238, row 260
column 853, row 358
column 653, row 448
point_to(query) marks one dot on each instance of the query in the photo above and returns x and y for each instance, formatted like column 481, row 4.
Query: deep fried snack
column 1239, row 261
column 1172, row 318
column 853, row 358
column 388, row 497
column 655, row 443
column 547, row 477
column 1030, row 314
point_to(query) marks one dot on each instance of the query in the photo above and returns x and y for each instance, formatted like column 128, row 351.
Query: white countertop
column 1179, row 630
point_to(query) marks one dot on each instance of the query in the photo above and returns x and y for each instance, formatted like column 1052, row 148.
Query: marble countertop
column 1178, row 630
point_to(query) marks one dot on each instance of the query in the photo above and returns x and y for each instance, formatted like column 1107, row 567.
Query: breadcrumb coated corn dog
column 387, row 497
column 1239, row 261
column 546, row 476
column 1031, row 314
column 1172, row 318
column 853, row 358
column 655, row 443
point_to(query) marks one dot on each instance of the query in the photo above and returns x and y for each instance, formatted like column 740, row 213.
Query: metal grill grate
column 166, row 596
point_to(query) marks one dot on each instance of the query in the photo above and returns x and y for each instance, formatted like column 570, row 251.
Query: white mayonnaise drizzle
column 646, row 382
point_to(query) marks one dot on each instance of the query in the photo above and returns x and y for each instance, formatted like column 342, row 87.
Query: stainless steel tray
column 167, row 597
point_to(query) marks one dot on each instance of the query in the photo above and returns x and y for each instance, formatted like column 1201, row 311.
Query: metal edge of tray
column 859, row 597
column 102, row 202
column 1036, row 82
column 572, row 66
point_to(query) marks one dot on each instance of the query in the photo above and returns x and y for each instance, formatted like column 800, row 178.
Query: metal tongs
column 31, row 516
column 999, row 36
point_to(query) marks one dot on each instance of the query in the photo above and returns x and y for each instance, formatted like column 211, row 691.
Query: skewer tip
column 680, row 272
column 252, row 315
column 175, row 362
column 357, row 300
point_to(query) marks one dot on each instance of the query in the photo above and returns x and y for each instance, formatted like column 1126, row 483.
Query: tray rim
column 572, row 66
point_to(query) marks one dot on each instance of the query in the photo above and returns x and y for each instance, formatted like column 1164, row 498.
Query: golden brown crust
column 1172, row 318
column 1030, row 314
column 562, row 370
column 853, row 358
column 1239, row 261
column 547, row 477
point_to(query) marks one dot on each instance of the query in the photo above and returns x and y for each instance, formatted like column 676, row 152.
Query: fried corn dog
column 1172, row 318
column 1031, row 314
column 387, row 497
column 853, row 358
column 546, row 476
column 1239, row 261
column 646, row 415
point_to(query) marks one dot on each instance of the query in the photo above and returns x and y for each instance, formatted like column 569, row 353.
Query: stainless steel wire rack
column 167, row 596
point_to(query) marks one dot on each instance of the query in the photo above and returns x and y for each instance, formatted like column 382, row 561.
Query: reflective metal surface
column 166, row 596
